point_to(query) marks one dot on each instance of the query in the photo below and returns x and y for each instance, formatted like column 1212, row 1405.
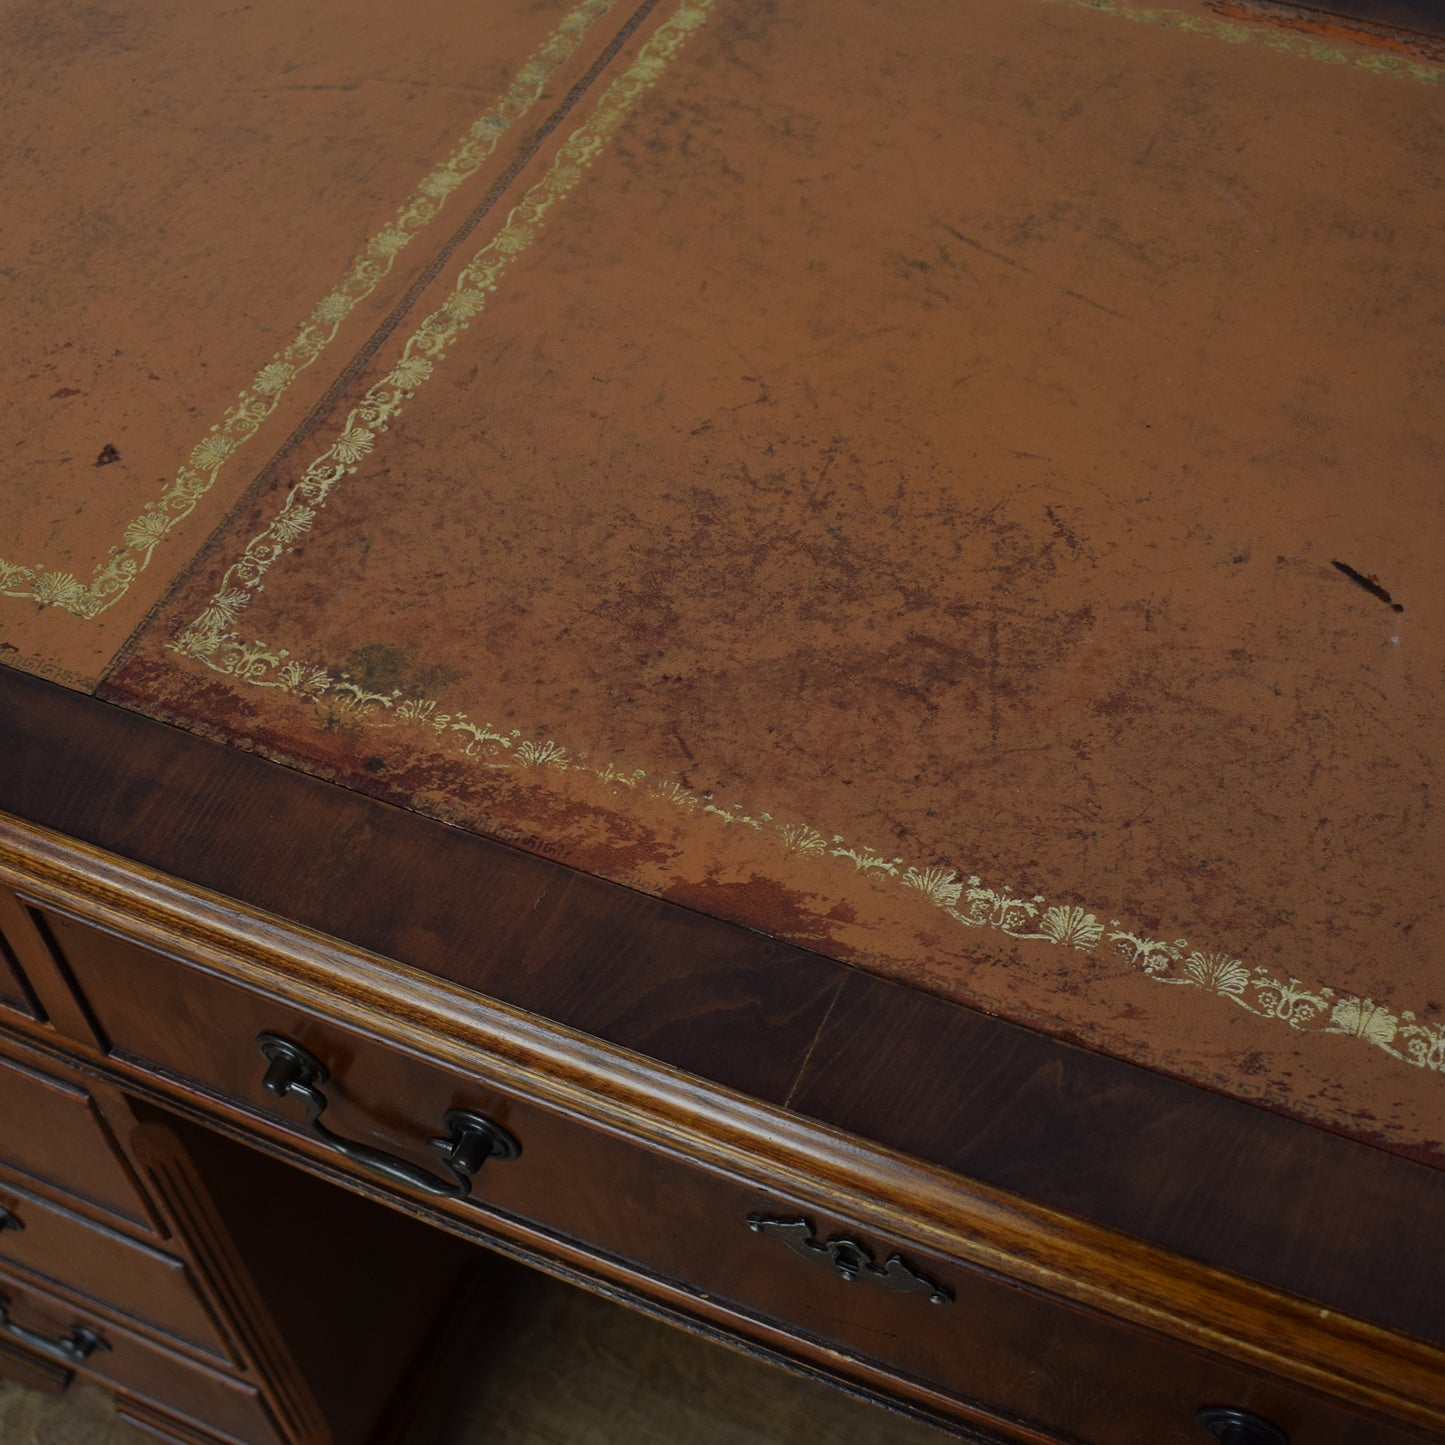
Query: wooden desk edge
column 740, row 1137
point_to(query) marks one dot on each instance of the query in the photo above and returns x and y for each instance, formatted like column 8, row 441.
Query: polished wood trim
column 146, row 1288
column 225, row 1283
column 736, row 1136
column 54, row 1004
column 20, row 1367
column 18, row 998
column 152, row 1419
column 1155, row 1158
column 688, row 990
column 565, row 1258
column 113, row 1196
column 1191, row 1172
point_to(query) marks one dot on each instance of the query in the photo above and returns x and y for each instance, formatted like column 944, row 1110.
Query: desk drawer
column 16, row 995
column 44, row 1329
column 51, row 1129
column 19, row 1367
column 44, row 1239
column 1025, row 1363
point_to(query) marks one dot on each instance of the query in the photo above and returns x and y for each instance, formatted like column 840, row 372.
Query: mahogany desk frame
column 1178, row 1211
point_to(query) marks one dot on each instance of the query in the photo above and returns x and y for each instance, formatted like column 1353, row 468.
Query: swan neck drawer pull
column 1238, row 1427
column 293, row 1073
column 849, row 1259
column 72, row 1349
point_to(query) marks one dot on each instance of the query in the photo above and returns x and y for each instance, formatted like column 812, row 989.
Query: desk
column 609, row 666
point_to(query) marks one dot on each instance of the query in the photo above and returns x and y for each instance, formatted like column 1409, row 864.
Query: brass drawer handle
column 292, row 1072
column 850, row 1259
column 1238, row 1427
column 72, row 1349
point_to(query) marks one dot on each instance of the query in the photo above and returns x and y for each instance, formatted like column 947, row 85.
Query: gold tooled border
column 970, row 902
column 210, row 634
column 1279, row 995
column 126, row 560
column 130, row 557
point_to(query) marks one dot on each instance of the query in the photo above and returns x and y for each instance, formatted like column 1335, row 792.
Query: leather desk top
column 955, row 488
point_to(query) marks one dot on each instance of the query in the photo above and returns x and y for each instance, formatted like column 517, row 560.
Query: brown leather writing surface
column 208, row 207
column 955, row 490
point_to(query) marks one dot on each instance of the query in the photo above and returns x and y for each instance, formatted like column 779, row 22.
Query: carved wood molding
column 222, row 1276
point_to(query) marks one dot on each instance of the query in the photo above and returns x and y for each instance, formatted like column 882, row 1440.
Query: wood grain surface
column 1230, row 1186
column 1198, row 1173
column 687, row 990
column 888, row 1196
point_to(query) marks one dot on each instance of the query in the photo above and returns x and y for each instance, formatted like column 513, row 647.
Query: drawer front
column 51, row 1129
column 19, row 1367
column 51, row 1242
column 16, row 995
column 1009, row 1354
column 38, row 1324
column 33, row 991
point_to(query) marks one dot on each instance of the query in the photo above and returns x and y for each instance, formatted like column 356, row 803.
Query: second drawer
column 180, row 1392
column 131, row 1279
column 51, row 1129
